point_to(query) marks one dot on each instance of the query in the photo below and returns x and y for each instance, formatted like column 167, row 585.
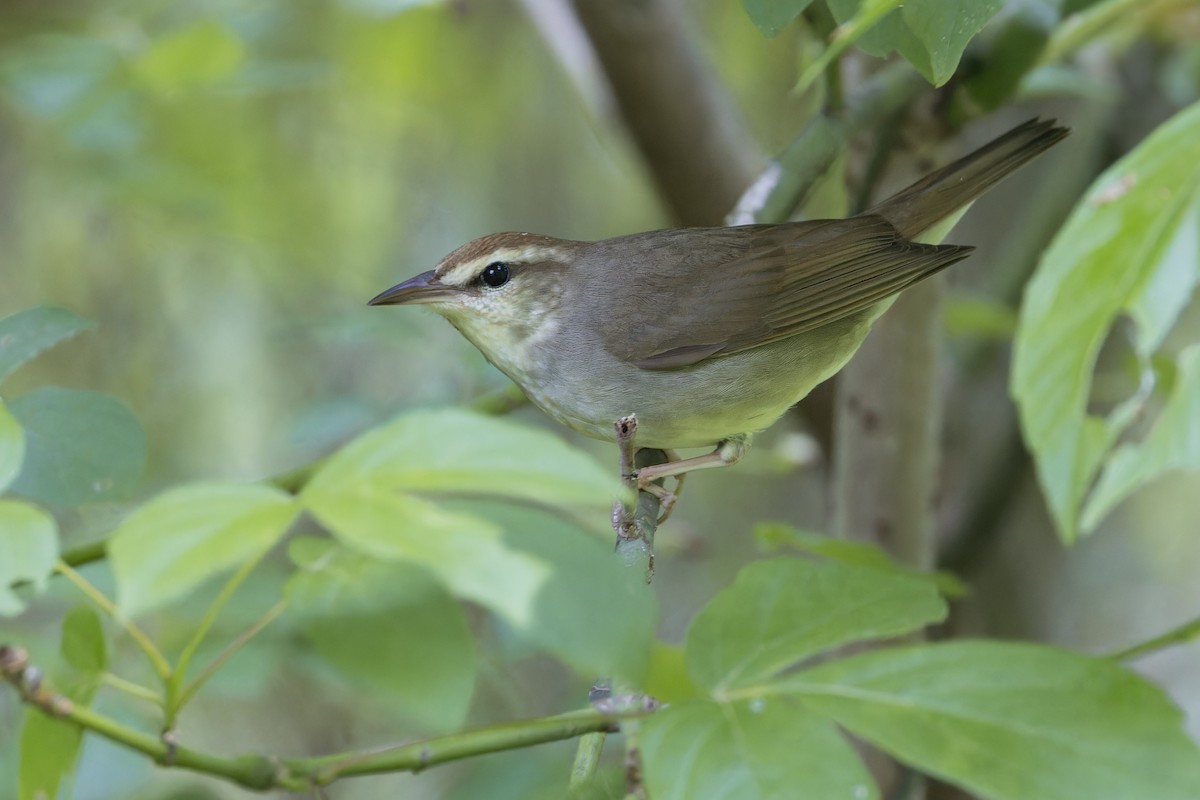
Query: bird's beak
column 423, row 288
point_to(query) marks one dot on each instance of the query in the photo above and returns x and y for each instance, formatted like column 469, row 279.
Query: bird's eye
column 495, row 275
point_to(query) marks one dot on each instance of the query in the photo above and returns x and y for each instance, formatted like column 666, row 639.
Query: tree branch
column 261, row 772
column 682, row 120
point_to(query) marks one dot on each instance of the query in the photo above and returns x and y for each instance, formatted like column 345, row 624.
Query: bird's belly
column 702, row 404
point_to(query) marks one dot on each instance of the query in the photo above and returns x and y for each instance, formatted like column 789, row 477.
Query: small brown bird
column 707, row 335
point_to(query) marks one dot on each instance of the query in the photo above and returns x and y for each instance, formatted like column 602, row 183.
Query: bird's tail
column 941, row 193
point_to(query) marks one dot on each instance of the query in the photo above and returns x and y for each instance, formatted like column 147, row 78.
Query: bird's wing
column 760, row 283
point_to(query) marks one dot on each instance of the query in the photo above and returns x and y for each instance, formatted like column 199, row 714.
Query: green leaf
column 931, row 34
column 28, row 550
column 1011, row 721
column 83, row 644
column 387, row 626
column 201, row 55
column 80, row 446
column 50, row 747
column 775, row 535
column 1131, row 247
column 466, row 551
column 772, row 16
column 185, row 536
column 457, row 452
column 760, row 749
column 539, row 578
column 12, row 447
column 978, row 316
column 782, row 611
column 26, row 333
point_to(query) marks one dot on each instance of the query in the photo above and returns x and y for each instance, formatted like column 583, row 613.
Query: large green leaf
column 389, row 627
column 541, row 576
column 80, row 446
column 760, row 749
column 50, row 747
column 782, row 611
column 456, row 452
column 1011, row 721
column 1130, row 247
column 28, row 550
column 931, row 34
column 185, row 536
column 12, row 447
column 26, row 333
column 466, row 551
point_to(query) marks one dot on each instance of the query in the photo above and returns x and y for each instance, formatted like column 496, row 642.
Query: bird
column 705, row 336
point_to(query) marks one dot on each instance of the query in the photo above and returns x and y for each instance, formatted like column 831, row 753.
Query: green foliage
column 782, row 611
column 771, row 16
column 1005, row 721
column 28, row 550
column 50, row 747
column 366, row 496
column 186, row 536
column 388, row 627
column 1130, row 248
column 199, row 55
column 1011, row 721
column 80, row 446
column 757, row 749
column 12, row 447
column 26, row 333
column 931, row 34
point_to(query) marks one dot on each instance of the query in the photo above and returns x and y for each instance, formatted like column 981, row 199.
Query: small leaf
column 455, row 451
column 26, row 333
column 389, row 627
column 930, row 34
column 1131, row 246
column 782, row 611
column 28, row 551
column 1011, row 721
column 50, row 747
column 185, row 536
column 80, row 446
column 760, row 749
column 772, row 16
column 12, row 447
column 200, row 55
column 83, row 644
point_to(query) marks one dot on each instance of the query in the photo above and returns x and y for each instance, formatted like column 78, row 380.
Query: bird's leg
column 666, row 497
column 728, row 452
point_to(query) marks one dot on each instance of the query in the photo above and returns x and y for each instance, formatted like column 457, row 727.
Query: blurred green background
column 222, row 185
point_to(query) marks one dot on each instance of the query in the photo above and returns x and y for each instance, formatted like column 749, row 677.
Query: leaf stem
column 587, row 758
column 1182, row 634
column 132, row 689
column 230, row 651
column 161, row 666
column 174, row 701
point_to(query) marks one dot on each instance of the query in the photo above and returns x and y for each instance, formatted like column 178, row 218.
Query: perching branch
column 261, row 772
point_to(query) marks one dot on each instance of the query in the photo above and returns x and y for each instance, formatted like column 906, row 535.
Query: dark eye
column 495, row 275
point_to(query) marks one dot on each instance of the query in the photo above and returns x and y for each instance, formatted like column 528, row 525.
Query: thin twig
column 1182, row 634
column 228, row 653
column 261, row 772
column 175, row 701
column 161, row 666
